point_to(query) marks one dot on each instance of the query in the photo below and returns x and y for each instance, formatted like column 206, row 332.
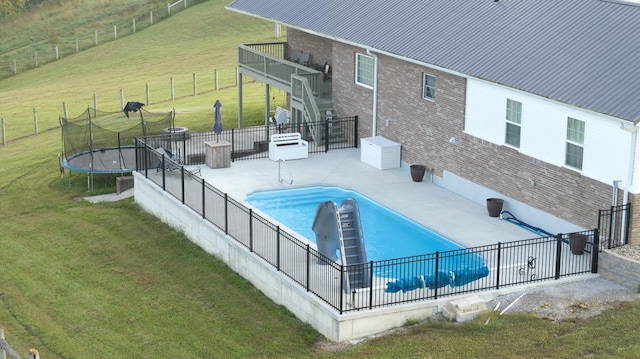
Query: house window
column 575, row 143
column 364, row 70
column 514, row 118
column 428, row 87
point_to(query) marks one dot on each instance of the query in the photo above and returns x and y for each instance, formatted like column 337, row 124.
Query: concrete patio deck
column 451, row 215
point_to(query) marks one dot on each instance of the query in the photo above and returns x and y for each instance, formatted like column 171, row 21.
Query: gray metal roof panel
column 582, row 52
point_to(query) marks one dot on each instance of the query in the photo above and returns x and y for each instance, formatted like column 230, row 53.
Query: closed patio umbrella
column 217, row 125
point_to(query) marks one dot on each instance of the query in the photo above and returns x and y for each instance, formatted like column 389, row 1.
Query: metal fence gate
column 613, row 226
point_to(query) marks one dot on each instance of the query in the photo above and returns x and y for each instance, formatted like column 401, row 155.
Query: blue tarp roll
column 457, row 277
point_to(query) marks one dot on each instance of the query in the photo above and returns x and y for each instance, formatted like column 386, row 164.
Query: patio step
column 464, row 309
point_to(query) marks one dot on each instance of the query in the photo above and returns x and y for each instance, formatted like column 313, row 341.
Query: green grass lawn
column 82, row 280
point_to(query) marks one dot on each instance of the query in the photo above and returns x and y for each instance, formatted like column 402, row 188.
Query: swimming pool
column 387, row 234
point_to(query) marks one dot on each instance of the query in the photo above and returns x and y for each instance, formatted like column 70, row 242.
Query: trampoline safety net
column 95, row 132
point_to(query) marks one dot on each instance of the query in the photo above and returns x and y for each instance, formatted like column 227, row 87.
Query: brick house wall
column 424, row 128
column 319, row 48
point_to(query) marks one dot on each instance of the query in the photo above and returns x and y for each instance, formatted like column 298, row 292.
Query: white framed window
column 514, row 121
column 364, row 70
column 428, row 87
column 575, row 143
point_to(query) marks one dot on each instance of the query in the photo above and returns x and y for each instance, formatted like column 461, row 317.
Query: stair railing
column 302, row 94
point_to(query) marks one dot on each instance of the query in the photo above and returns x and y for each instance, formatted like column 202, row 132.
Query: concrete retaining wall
column 268, row 280
column 621, row 270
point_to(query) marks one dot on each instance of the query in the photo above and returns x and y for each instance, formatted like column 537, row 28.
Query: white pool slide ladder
column 340, row 228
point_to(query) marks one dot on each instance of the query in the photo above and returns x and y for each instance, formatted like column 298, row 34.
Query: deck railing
column 391, row 282
column 268, row 62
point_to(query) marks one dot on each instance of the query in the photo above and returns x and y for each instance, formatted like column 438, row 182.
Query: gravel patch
column 631, row 251
column 578, row 299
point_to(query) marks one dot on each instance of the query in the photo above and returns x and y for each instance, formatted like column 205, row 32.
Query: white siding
column 607, row 147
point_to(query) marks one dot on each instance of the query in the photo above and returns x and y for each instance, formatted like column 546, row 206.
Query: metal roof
column 582, row 52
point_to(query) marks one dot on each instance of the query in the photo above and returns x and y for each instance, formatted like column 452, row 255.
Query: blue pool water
column 387, row 234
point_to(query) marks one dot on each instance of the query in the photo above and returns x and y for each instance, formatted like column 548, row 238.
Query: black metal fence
column 390, row 282
column 253, row 142
column 613, row 226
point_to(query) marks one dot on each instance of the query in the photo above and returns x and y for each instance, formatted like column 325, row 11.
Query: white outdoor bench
column 288, row 146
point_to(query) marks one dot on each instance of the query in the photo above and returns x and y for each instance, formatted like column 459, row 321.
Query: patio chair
column 295, row 56
column 304, row 59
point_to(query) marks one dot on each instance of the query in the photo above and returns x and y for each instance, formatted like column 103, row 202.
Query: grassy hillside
column 82, row 280
column 72, row 26
column 174, row 48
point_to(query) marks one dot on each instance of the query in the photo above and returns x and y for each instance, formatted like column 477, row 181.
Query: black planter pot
column 494, row 206
column 577, row 243
column 417, row 172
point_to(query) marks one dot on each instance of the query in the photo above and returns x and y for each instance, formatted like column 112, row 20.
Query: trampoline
column 99, row 142
column 104, row 160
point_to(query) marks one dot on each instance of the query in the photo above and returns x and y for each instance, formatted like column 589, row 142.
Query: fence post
column 238, row 76
column 164, row 171
column 134, row 24
column 498, row 266
column 251, row 230
column 278, row 248
column 147, row 92
column 35, row 121
column 115, row 31
column 121, row 98
column 95, row 37
column 168, row 9
column 340, row 310
column 435, row 286
column 203, row 198
column 276, row 30
column 355, row 132
column 35, row 55
column 15, row 66
column 4, row 135
column 95, row 105
column 171, row 88
column 77, row 46
column 226, row 213
column 595, row 251
column 182, row 182
column 195, row 91
column 326, row 135
column 233, row 137
column 57, row 52
column 5, row 348
column 215, row 79
column 558, row 255
column 64, row 110
column 371, row 263
column 150, row 17
column 611, row 227
column 308, row 267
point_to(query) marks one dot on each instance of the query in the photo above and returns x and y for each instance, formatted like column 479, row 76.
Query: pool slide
column 340, row 228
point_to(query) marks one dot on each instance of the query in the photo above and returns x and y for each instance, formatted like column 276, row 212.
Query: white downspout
column 375, row 92
column 631, row 179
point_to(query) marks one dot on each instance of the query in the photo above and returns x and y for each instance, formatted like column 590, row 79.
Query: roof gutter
column 374, row 110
